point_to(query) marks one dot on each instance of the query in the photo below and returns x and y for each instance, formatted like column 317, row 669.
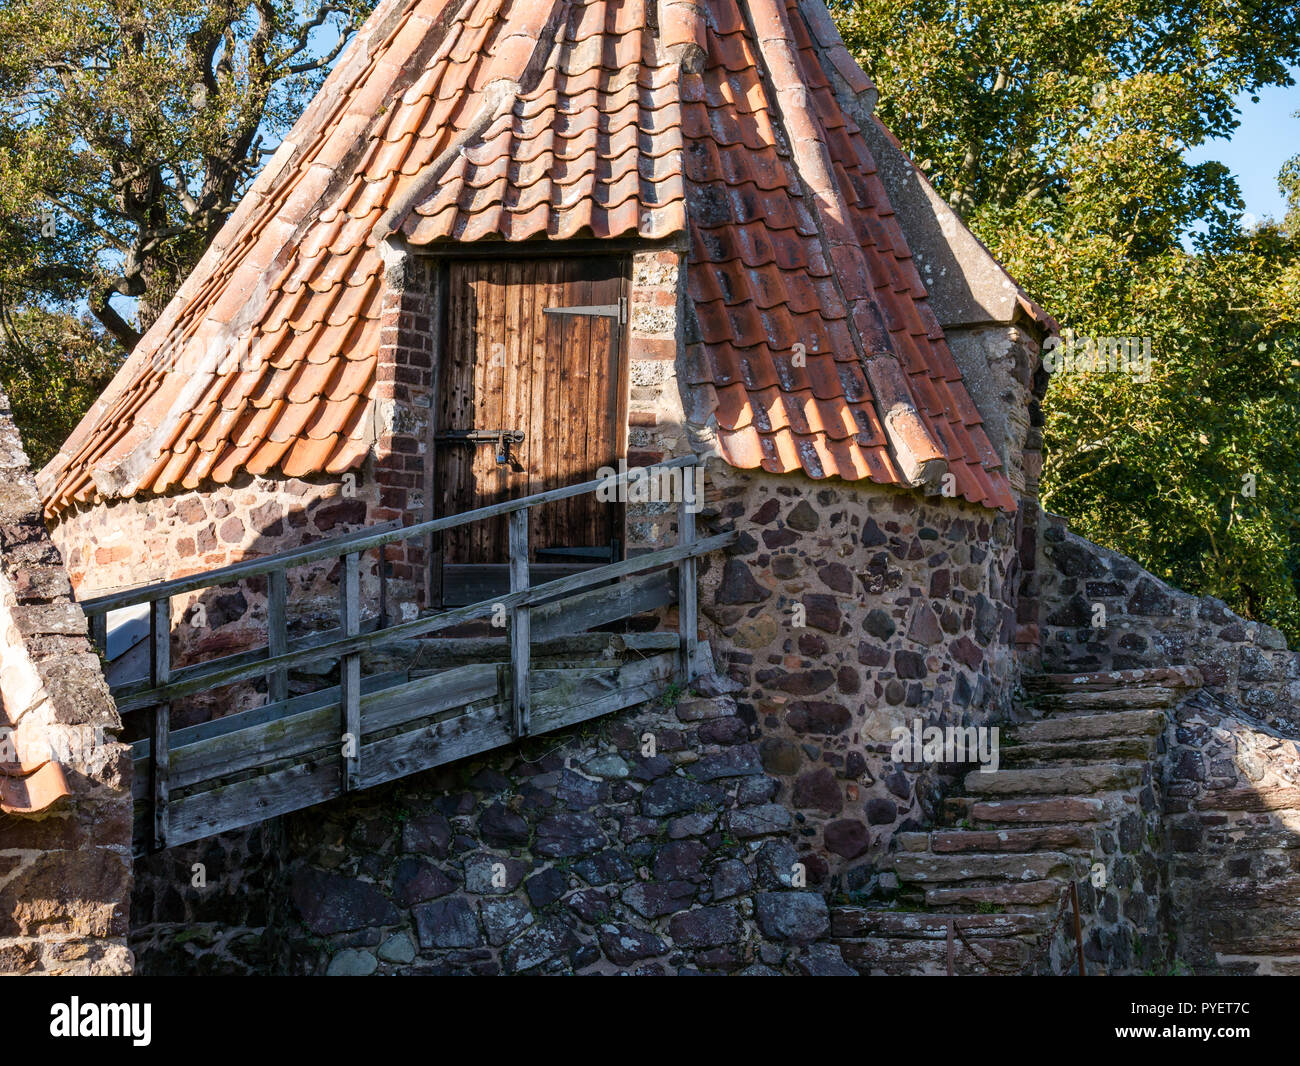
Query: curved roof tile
column 634, row 118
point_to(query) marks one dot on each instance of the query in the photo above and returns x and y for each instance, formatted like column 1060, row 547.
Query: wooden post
column 1078, row 931
column 687, row 603
column 277, row 633
column 350, row 671
column 434, row 542
column 160, row 667
column 520, row 623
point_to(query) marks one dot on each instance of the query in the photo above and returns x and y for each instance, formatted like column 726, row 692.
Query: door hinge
column 617, row 311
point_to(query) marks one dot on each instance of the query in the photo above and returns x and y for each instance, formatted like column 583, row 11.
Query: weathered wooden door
column 529, row 399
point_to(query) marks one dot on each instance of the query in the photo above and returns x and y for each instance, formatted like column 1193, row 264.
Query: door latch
column 500, row 439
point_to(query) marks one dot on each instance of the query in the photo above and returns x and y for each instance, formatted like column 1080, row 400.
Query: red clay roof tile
column 31, row 789
column 797, row 268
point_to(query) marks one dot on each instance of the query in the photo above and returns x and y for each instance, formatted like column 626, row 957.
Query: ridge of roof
column 519, row 120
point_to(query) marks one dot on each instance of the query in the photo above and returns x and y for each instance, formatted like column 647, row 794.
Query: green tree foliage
column 1058, row 130
column 128, row 131
column 1289, row 182
column 54, row 366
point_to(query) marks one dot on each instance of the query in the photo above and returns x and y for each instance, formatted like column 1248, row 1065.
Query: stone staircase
column 1077, row 784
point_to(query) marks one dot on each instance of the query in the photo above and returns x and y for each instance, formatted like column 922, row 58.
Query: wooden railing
column 524, row 603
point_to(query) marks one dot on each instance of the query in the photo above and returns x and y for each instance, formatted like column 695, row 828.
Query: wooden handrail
column 199, row 682
column 264, row 564
column 361, row 765
column 361, row 541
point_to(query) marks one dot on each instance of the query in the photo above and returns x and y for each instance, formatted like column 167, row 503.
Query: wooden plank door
column 533, row 347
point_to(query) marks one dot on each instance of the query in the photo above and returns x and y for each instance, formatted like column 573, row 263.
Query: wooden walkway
column 465, row 696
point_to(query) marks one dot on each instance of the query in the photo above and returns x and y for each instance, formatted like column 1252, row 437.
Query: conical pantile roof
column 810, row 345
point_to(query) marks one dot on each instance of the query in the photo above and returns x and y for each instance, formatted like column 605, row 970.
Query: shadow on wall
column 230, row 619
column 1232, row 837
column 208, row 907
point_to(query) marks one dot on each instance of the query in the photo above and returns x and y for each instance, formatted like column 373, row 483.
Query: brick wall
column 403, row 390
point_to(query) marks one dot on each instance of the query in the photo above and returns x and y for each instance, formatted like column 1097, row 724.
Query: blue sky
column 1268, row 136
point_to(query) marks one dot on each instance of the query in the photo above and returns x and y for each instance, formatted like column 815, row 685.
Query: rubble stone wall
column 65, row 871
column 211, row 908
column 1147, row 623
column 570, row 853
column 1232, row 838
column 126, row 543
column 845, row 612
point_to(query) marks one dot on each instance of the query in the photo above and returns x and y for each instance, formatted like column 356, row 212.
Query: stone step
column 1025, row 811
column 1090, row 702
column 702, row 708
column 861, row 922
column 1054, row 780
column 1011, row 840
column 921, row 867
column 1037, row 894
column 1183, row 677
column 1090, row 727
column 901, row 957
column 1111, row 749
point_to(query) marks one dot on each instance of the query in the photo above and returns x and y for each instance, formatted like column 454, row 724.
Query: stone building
column 509, row 246
column 65, row 803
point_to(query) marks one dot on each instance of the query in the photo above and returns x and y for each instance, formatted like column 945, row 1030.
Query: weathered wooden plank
column 362, row 540
column 315, row 728
column 481, row 728
column 160, row 658
column 128, row 694
column 277, row 633
column 600, row 606
column 520, row 634
column 427, row 696
column 688, row 620
column 593, row 685
column 436, row 623
column 268, row 712
column 449, row 651
column 350, row 670
column 254, row 800
column 260, row 745
column 464, row 583
column 478, row 730
column 642, row 681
